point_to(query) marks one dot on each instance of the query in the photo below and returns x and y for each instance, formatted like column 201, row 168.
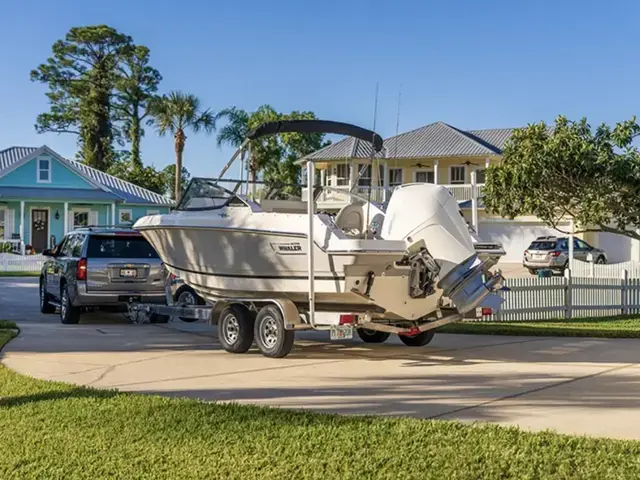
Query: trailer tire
column 235, row 328
column 419, row 340
column 272, row 338
column 372, row 336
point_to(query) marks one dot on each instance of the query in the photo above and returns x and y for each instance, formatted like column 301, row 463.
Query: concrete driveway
column 583, row 386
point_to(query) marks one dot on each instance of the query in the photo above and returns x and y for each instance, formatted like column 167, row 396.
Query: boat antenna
column 373, row 156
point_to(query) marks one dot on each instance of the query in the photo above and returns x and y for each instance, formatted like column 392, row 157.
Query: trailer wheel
column 235, row 328
column 372, row 336
column 419, row 340
column 272, row 338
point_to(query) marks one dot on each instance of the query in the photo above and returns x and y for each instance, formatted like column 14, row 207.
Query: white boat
column 394, row 268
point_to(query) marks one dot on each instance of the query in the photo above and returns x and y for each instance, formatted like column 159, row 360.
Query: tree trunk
column 180, row 139
column 134, row 136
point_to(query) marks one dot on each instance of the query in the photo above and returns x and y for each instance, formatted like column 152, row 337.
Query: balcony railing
column 461, row 192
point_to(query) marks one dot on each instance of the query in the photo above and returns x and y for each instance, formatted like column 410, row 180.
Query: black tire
column 372, row 336
column 45, row 306
column 601, row 260
column 69, row 314
column 235, row 328
column 272, row 338
column 419, row 340
column 186, row 296
column 533, row 271
column 159, row 318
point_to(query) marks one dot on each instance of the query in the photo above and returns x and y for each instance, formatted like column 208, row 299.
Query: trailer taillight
column 486, row 312
column 346, row 319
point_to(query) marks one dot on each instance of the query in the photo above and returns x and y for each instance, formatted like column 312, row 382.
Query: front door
column 39, row 229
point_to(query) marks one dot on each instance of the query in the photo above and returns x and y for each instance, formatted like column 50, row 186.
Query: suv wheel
column 601, row 260
column 45, row 306
column 188, row 297
column 69, row 315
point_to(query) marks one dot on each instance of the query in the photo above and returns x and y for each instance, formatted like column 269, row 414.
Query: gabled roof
column 12, row 157
column 437, row 139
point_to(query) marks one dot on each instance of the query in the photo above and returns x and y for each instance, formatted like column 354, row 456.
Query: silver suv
column 552, row 253
column 100, row 267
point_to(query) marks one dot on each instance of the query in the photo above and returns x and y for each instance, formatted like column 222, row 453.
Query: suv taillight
column 81, row 271
column 556, row 253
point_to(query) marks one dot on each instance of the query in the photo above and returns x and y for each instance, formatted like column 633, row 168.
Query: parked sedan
column 553, row 253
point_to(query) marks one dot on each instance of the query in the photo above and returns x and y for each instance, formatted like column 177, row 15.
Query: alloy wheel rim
column 230, row 328
column 63, row 303
column 186, row 298
column 269, row 332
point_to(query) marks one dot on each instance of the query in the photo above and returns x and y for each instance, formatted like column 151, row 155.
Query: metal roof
column 46, row 193
column 437, row 140
column 126, row 191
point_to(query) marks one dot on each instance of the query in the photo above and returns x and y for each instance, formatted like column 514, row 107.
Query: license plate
column 341, row 332
column 540, row 256
column 128, row 272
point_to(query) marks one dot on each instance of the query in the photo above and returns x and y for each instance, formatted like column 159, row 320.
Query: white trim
column 124, row 210
column 38, row 169
column 423, row 170
column 31, row 209
column 465, row 174
column 153, row 212
column 113, row 214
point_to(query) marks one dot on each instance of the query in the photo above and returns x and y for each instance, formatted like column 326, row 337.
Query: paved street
column 587, row 386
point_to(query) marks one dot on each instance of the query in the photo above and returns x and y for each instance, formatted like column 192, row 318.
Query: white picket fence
column 21, row 263
column 533, row 298
column 610, row 270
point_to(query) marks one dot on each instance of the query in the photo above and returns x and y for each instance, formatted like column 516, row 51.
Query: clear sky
column 473, row 64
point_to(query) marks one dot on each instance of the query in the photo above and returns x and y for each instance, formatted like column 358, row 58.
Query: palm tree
column 235, row 131
column 175, row 113
column 239, row 123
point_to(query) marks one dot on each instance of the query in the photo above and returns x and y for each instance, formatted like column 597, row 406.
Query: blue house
column 43, row 196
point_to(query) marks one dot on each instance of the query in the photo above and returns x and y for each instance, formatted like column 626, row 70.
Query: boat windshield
column 204, row 194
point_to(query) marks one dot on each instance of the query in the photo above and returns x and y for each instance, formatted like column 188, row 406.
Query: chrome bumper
column 466, row 287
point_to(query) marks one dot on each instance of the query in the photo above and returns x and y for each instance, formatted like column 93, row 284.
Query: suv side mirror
column 47, row 252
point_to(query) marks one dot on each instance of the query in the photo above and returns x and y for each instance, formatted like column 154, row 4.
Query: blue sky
column 473, row 64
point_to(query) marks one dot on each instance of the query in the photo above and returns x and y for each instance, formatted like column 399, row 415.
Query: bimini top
column 316, row 126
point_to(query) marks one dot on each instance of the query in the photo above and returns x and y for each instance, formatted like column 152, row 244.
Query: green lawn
column 55, row 430
column 605, row 327
column 20, row 274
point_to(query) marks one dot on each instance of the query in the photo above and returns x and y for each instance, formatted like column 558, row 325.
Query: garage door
column 514, row 237
column 618, row 247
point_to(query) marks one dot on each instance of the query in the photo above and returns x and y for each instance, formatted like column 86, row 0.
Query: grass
column 603, row 327
column 56, row 430
column 20, row 274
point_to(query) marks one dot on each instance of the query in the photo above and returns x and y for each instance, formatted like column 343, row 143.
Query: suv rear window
column 111, row 246
column 542, row 245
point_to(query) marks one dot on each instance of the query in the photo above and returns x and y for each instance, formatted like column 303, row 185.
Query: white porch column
column 436, row 164
column 474, row 201
column 487, row 162
column 385, row 183
column 352, row 174
column 323, row 177
column 113, row 214
column 65, row 228
column 22, row 227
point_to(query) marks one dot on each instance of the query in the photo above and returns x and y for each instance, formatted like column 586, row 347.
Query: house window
column 395, row 177
column 425, row 176
column 365, row 179
column 456, row 174
column 44, row 170
column 125, row 216
column 80, row 219
column 480, row 175
column 342, row 175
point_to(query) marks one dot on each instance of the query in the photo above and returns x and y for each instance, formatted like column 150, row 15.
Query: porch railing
column 461, row 192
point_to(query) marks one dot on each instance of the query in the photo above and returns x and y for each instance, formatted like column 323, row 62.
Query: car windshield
column 542, row 245
column 126, row 246
column 205, row 194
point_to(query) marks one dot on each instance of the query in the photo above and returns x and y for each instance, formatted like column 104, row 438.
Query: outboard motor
column 428, row 218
